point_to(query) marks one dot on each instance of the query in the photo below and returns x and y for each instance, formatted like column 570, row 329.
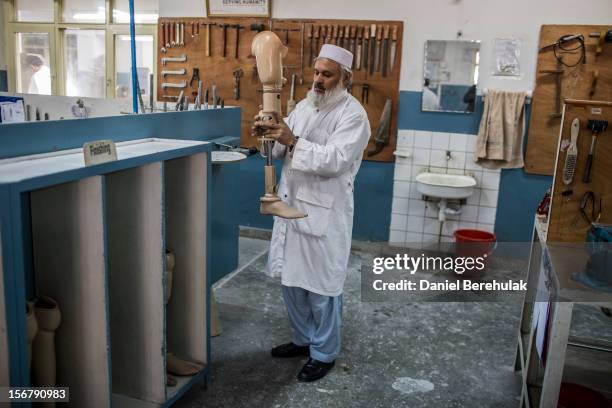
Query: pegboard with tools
column 582, row 191
column 574, row 61
column 217, row 52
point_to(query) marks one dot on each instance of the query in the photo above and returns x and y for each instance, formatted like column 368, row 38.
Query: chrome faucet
column 448, row 155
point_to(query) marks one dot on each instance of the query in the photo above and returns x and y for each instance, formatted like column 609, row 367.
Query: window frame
column 56, row 31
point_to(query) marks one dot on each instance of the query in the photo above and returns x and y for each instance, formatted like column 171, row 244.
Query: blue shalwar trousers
column 316, row 321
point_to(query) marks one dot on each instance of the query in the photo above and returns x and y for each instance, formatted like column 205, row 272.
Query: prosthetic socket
column 269, row 52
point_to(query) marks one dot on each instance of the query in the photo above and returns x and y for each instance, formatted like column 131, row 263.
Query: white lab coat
column 312, row 253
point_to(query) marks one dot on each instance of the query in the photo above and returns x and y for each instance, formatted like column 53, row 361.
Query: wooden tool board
column 216, row 69
column 566, row 223
column 576, row 83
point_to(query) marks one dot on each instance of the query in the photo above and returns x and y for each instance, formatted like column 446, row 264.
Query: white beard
column 329, row 98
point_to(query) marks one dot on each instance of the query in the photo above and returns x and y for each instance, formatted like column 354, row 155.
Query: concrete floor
column 394, row 355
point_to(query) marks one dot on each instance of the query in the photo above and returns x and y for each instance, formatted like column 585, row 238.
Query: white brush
column 572, row 154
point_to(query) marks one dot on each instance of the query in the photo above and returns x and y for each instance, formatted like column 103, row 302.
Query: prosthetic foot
column 48, row 317
column 180, row 367
column 280, row 209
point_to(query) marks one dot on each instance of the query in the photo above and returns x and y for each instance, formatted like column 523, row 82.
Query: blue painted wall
column 519, row 192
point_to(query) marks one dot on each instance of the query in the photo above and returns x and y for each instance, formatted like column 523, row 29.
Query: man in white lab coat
column 321, row 143
column 40, row 82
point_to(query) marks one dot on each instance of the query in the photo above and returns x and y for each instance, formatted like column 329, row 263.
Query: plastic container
column 474, row 243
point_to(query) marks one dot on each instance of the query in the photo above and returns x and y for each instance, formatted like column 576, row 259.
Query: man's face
column 327, row 74
column 36, row 68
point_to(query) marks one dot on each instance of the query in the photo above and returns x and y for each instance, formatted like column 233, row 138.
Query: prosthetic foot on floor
column 32, row 327
column 49, row 318
column 269, row 52
column 178, row 366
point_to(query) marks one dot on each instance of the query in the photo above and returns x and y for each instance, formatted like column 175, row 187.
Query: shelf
column 70, row 267
column 26, row 167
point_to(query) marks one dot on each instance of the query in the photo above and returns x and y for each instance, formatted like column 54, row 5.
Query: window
column 79, row 47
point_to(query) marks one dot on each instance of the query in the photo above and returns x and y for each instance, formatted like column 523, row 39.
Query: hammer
column 597, row 127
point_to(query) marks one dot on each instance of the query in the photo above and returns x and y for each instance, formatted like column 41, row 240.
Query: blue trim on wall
column 519, row 192
column 373, row 198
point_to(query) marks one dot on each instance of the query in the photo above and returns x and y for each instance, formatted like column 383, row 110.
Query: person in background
column 40, row 82
column 430, row 99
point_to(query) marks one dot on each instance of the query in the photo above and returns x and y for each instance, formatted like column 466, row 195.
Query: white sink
column 449, row 186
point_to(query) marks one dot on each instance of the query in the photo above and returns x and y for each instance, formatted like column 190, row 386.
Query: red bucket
column 474, row 243
column 578, row 396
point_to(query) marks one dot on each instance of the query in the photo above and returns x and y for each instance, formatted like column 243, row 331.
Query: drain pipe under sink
column 444, row 210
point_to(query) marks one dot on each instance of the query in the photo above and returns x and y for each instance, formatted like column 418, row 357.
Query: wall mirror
column 450, row 76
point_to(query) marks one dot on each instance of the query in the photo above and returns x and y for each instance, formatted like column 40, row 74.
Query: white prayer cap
column 337, row 54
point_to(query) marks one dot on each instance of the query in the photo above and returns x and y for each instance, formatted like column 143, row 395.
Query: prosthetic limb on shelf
column 269, row 52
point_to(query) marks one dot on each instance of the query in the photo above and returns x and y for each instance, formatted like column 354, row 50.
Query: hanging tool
column 558, row 89
column 37, row 114
column 224, row 28
column 237, row 75
column 302, row 27
column 163, row 36
column 316, row 35
column 334, row 39
column 222, row 103
column 181, row 71
column 377, row 53
column 151, row 99
column 597, row 127
column 238, row 27
column 330, row 32
column 286, row 32
column 352, row 38
column 182, row 84
column 198, row 99
column 594, row 83
column 341, row 36
column 182, row 34
column 393, row 47
column 358, row 39
column 291, row 101
column 171, row 32
column 571, row 154
column 208, row 38
column 365, row 93
column 195, row 76
column 177, row 34
column 385, row 57
column 182, row 58
column 324, row 34
column 366, row 49
column 347, row 38
column 382, row 133
column 206, row 98
column 311, row 48
column 179, row 102
column 214, row 96
column 372, row 48
column 604, row 37
column 589, row 197
column 560, row 48
column 258, row 28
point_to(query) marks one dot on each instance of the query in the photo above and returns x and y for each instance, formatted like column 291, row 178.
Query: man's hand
column 280, row 131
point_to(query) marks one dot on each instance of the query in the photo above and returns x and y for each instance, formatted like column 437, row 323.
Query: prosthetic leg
column 269, row 52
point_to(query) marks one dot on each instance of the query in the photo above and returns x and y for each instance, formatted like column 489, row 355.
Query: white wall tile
column 414, row 239
column 403, row 172
column 474, row 199
column 405, row 138
column 467, row 225
column 436, row 169
column 404, row 161
column 418, row 169
column 488, row 198
column 414, row 191
column 397, row 237
column 440, row 141
column 478, row 176
column 449, row 227
column 398, row 222
column 401, row 189
column 431, row 226
column 422, row 139
column 438, row 158
column 457, row 160
column 486, row 215
column 455, row 171
column 471, row 143
column 399, row 205
column 458, row 142
column 446, row 239
column 468, row 213
column 469, row 162
column 490, row 180
column 486, row 227
column 416, row 207
column 415, row 224
column 421, row 156
column 429, row 239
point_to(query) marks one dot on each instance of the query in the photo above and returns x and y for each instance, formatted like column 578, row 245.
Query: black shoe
column 290, row 350
column 314, row 370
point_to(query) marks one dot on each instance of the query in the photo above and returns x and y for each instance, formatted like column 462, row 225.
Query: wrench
column 182, row 84
column 182, row 71
column 182, row 58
